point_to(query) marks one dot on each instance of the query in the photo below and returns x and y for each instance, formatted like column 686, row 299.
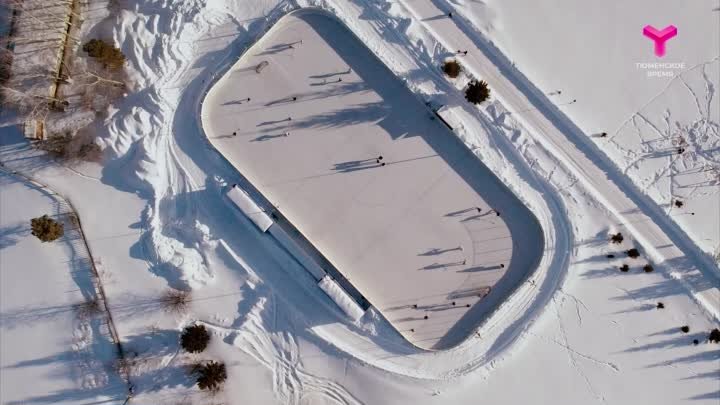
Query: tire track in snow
column 279, row 352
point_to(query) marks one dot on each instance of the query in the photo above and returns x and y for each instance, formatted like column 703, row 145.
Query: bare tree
column 28, row 103
column 97, row 87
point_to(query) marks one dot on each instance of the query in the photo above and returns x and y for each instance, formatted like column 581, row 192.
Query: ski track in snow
column 279, row 352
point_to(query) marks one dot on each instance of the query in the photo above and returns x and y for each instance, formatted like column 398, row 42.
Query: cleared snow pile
column 247, row 206
column 341, row 298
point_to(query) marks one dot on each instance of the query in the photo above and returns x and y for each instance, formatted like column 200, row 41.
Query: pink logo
column 660, row 37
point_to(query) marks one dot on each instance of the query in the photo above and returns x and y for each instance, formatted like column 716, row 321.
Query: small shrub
column 617, row 238
column 70, row 147
column 477, row 92
column 128, row 365
column 175, row 301
column 633, row 253
column 89, row 309
column 648, row 268
column 5, row 67
column 685, row 329
column 46, row 229
column 679, row 203
column 714, row 336
column 660, row 305
column 74, row 220
column 211, row 376
column 195, row 338
column 105, row 53
column 624, row 268
column 452, row 68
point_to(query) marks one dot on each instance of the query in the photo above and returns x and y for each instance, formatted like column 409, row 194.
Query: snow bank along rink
column 53, row 346
column 342, row 150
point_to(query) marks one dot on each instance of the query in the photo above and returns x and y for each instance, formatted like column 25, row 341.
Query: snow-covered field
column 579, row 331
column 50, row 332
column 596, row 54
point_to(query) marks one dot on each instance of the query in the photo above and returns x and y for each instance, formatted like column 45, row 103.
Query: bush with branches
column 89, row 309
column 6, row 60
column 176, row 301
column 66, row 146
column 477, row 92
column 211, row 376
column 46, row 229
column 624, row 268
column 714, row 336
column 195, row 338
column 452, row 68
column 648, row 268
column 56, row 145
column 633, row 253
column 105, row 53
column 617, row 238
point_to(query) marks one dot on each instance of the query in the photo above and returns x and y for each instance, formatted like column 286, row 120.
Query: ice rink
column 362, row 169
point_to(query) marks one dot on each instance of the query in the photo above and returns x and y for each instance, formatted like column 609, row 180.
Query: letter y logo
column 660, row 37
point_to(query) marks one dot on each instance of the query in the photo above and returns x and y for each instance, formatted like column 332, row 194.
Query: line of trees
column 209, row 375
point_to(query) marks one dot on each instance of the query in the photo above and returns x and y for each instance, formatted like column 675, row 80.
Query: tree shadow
column 24, row 316
column 10, row 235
column 155, row 361
column 661, row 287
column 95, row 362
column 17, row 152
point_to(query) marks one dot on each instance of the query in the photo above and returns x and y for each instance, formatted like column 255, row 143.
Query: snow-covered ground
column 54, row 344
column 579, row 331
column 406, row 230
column 595, row 53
